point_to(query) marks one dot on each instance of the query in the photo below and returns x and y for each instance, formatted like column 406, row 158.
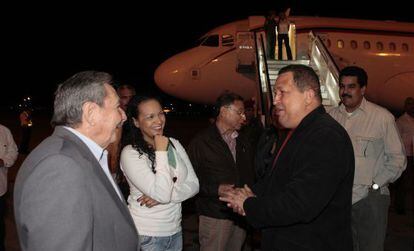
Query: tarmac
column 400, row 233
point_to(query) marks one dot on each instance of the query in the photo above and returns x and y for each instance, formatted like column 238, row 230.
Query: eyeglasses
column 240, row 113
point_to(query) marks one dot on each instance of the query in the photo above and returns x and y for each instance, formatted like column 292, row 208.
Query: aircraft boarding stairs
column 319, row 59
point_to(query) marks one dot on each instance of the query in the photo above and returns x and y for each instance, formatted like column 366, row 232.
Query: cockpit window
column 211, row 41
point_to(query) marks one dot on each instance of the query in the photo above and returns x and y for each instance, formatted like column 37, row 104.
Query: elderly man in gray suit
column 65, row 197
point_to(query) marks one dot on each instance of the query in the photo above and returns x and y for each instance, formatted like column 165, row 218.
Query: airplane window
column 404, row 47
column 227, row 40
column 211, row 41
column 392, row 46
column 367, row 45
column 380, row 46
column 340, row 44
column 354, row 44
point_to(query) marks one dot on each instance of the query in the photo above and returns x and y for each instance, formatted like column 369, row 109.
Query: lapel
column 83, row 150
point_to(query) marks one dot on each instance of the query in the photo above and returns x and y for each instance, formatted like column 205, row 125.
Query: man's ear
column 89, row 112
column 136, row 123
column 221, row 111
column 309, row 96
column 363, row 90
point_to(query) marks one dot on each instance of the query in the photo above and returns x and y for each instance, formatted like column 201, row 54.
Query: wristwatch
column 375, row 186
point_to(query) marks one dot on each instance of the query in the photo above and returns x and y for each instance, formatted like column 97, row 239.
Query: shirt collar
column 96, row 150
column 362, row 107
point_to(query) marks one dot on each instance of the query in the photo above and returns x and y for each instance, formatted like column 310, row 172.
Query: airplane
column 232, row 58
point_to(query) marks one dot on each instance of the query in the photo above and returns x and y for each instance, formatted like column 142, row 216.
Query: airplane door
column 245, row 52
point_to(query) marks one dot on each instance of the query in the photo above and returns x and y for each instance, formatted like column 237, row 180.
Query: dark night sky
column 45, row 44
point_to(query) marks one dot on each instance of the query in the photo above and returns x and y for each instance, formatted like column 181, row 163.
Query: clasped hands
column 234, row 196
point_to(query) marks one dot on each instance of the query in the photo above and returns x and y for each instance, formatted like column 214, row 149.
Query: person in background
column 269, row 144
column 283, row 26
column 253, row 127
column 125, row 93
column 222, row 160
column 270, row 31
column 8, row 155
column 304, row 203
column 64, row 195
column 405, row 125
column 26, row 126
column 379, row 157
column 159, row 173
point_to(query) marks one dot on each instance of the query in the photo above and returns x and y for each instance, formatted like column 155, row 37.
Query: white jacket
column 163, row 219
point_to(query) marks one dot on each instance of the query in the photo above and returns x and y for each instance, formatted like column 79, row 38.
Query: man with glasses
column 222, row 161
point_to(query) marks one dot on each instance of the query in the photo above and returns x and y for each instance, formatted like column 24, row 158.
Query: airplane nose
column 169, row 76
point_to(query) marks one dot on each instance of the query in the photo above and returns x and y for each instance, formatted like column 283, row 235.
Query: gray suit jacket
column 64, row 201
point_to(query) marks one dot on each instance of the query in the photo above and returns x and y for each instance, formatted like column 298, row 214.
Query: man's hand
column 147, row 201
column 223, row 188
column 236, row 197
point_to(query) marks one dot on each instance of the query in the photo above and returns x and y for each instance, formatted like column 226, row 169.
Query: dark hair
column 226, row 99
column 304, row 77
column 86, row 86
column 126, row 86
column 131, row 135
column 355, row 71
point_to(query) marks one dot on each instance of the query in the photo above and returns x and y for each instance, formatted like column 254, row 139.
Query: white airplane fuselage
column 384, row 49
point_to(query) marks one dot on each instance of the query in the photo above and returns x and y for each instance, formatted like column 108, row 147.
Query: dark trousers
column 280, row 39
column 2, row 215
column 270, row 46
column 369, row 222
column 24, row 143
column 403, row 185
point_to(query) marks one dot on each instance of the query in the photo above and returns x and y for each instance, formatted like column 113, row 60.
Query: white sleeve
column 395, row 160
column 137, row 169
column 188, row 187
column 10, row 151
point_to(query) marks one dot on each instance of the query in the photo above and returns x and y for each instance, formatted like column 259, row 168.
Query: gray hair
column 86, row 86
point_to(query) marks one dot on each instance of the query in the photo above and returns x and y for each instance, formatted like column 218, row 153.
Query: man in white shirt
column 8, row 155
column 405, row 125
column 379, row 158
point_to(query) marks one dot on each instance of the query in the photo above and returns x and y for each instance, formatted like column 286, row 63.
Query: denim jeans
column 164, row 243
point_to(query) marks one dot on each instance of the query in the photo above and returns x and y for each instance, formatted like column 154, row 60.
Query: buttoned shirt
column 101, row 156
column 230, row 139
column 378, row 148
column 8, row 153
column 405, row 124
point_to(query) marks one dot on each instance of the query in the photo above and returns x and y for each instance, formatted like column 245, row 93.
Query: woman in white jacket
column 159, row 174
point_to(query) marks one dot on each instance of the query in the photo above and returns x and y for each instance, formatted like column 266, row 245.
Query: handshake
column 235, row 197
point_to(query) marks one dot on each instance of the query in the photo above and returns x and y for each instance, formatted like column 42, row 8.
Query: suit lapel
column 84, row 151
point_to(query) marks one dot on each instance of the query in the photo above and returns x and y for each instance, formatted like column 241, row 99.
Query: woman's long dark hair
column 131, row 135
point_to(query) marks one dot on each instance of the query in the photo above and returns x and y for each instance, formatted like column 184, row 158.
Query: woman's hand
column 161, row 143
column 147, row 201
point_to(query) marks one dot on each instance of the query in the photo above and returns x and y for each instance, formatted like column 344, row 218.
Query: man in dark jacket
column 304, row 203
column 222, row 161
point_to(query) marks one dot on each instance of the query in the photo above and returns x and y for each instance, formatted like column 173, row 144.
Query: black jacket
column 214, row 165
column 304, row 203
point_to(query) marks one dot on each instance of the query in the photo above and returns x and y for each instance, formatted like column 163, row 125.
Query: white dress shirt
column 101, row 156
column 378, row 149
column 8, row 153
